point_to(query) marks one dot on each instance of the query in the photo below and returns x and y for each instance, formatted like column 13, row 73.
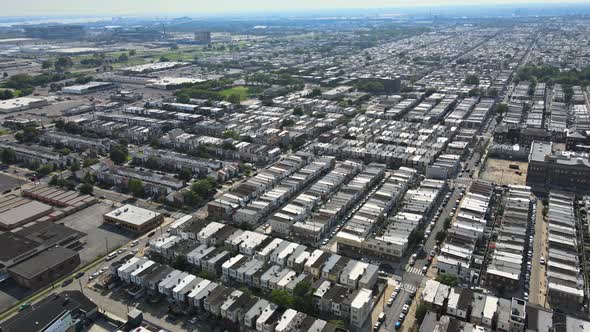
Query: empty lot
column 499, row 172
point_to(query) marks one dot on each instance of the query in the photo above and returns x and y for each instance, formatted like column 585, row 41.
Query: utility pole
column 106, row 240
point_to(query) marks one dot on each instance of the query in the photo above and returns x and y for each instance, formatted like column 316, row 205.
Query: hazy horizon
column 191, row 7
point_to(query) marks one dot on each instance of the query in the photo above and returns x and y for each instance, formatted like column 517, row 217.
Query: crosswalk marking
column 413, row 269
column 409, row 288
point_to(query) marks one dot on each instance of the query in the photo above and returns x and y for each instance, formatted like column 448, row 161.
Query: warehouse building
column 45, row 268
column 23, row 214
column 87, row 88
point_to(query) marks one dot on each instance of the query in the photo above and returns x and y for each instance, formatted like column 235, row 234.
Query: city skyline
column 189, row 7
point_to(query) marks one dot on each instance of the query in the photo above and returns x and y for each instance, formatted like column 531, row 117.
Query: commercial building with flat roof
column 89, row 87
column 551, row 169
column 134, row 218
column 21, row 104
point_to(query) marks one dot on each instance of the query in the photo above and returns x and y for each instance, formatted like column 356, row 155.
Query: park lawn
column 242, row 91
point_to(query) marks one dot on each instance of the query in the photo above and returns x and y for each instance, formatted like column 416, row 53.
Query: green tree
column 29, row 134
column 474, row 92
column 429, row 92
column 123, row 57
column 47, row 64
column 5, row 74
column 298, row 111
column 75, row 166
column 191, row 198
column 471, row 79
column 8, row 156
column 185, row 174
column 281, row 298
column 86, row 188
column 231, row 134
column 118, row 154
column 183, row 98
column 45, row 169
column 89, row 162
column 63, row 63
column 417, row 236
column 180, row 263
column 447, row 279
column 207, row 275
column 421, row 311
column 135, row 186
column 448, row 221
column 287, row 123
column 155, row 143
column 502, row 108
column 234, row 98
column 303, row 297
column 132, row 53
column 6, row 94
column 174, row 47
column 441, row 236
column 203, row 188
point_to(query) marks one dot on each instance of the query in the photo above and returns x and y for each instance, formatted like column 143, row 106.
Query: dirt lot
column 499, row 172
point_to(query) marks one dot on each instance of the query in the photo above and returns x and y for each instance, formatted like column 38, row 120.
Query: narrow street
column 538, row 281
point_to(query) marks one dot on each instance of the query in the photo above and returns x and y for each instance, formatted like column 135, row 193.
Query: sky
column 209, row 7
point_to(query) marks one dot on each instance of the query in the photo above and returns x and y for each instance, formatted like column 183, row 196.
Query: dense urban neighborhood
column 316, row 174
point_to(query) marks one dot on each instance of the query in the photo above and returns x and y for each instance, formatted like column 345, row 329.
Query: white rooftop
column 132, row 214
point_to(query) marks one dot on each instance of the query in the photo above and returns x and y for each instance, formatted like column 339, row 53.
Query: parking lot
column 8, row 182
column 100, row 239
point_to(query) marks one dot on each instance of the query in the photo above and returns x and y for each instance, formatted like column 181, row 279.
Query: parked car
column 376, row 326
column 171, row 318
column 79, row 275
column 405, row 308
column 66, row 282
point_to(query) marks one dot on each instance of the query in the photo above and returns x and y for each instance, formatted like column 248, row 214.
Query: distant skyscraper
column 203, row 37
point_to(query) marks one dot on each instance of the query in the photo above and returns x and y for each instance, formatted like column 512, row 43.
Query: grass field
column 242, row 91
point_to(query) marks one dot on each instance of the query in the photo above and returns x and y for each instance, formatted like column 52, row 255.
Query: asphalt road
column 392, row 313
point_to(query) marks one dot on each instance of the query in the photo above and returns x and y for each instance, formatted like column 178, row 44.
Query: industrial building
column 87, row 88
column 203, row 37
column 21, row 104
column 45, row 267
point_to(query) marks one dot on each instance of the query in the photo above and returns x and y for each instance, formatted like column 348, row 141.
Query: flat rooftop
column 132, row 215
